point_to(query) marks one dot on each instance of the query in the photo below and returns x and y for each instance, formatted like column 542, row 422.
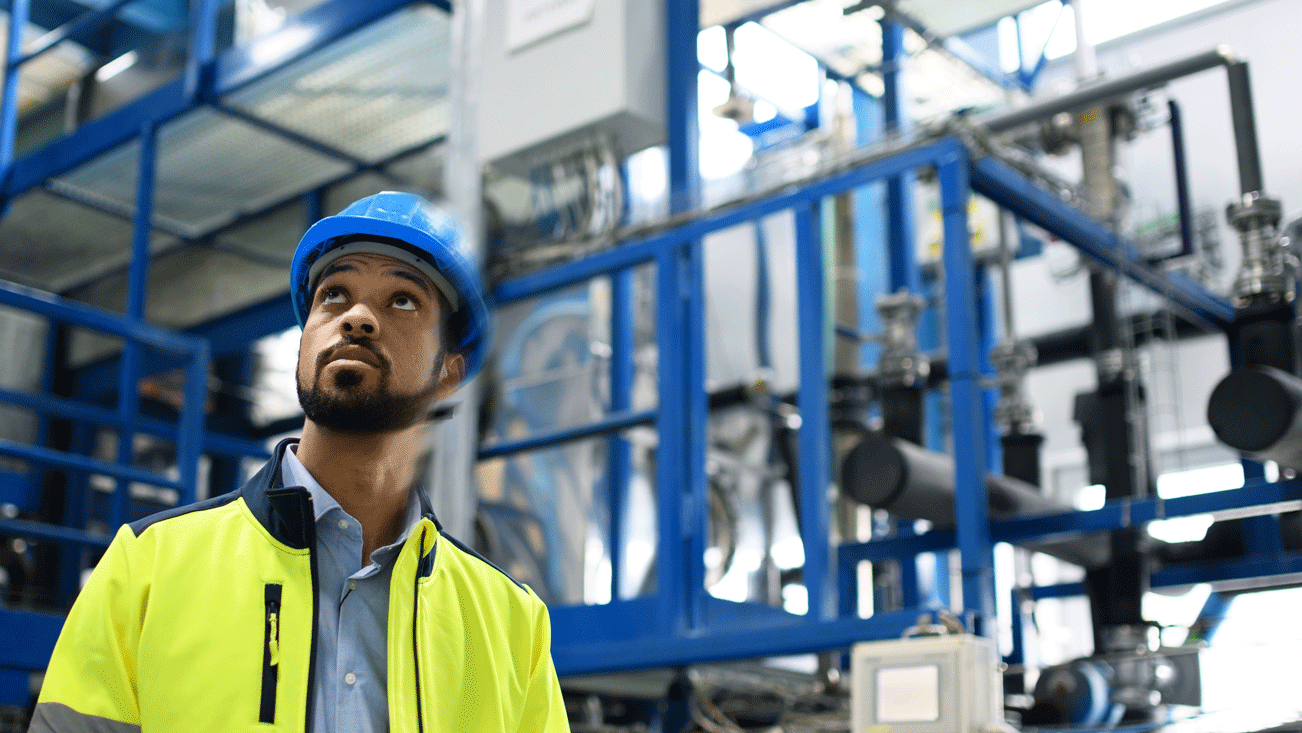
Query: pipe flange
column 1254, row 210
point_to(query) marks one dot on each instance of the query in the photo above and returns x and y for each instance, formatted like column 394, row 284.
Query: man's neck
column 371, row 476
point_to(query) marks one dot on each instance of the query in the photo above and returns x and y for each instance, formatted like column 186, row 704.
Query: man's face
column 370, row 358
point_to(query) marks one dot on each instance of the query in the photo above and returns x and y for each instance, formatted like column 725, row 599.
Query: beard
column 352, row 409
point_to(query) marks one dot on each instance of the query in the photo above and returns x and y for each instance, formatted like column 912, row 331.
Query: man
column 323, row 596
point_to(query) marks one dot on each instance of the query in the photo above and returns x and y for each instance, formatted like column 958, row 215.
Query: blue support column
column 682, row 25
column 966, row 410
column 137, row 292
column 815, row 438
column 671, row 459
column 619, row 461
column 902, row 235
column 19, row 11
column 698, row 421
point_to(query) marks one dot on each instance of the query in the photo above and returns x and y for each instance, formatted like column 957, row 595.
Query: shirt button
column 350, row 678
column 352, row 585
column 343, row 524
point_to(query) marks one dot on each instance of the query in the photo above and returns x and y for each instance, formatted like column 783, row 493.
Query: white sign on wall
column 528, row 21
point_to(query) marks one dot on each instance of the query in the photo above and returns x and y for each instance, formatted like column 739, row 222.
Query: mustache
column 328, row 354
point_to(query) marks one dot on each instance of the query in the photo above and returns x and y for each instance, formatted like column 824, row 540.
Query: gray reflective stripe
column 53, row 717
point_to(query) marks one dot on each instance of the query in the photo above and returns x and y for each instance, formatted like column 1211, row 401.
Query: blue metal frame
column 681, row 623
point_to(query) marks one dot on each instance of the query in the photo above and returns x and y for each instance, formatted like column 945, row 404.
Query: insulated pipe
column 914, row 483
column 1258, row 410
column 1245, row 131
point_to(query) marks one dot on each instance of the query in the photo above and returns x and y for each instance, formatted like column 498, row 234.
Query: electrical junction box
column 559, row 73
column 926, row 684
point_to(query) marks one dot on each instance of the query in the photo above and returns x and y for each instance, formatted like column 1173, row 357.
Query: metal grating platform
column 333, row 119
column 376, row 93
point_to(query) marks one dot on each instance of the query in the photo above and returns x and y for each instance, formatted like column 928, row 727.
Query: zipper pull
column 273, row 641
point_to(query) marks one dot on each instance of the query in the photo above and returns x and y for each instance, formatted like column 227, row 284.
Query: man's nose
column 360, row 319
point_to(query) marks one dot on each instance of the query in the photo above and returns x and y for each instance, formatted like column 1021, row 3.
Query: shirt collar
column 296, row 474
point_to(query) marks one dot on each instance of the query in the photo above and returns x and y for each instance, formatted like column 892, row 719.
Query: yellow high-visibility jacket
column 203, row 618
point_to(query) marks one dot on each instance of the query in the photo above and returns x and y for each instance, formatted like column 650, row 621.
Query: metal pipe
column 912, row 482
column 1245, row 128
column 1098, row 93
column 1258, row 409
column 1183, row 203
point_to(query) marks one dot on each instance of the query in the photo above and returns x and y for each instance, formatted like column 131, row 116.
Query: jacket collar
column 286, row 511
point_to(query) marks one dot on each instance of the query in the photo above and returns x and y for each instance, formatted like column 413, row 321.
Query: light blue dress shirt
column 349, row 688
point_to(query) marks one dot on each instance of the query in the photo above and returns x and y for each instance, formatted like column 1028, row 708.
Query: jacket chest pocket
column 270, row 654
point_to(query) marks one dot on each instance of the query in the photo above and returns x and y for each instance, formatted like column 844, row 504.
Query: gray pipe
column 914, row 483
column 1245, row 128
column 1092, row 96
column 1258, row 409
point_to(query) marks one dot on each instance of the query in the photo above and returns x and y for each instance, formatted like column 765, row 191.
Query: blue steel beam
column 671, row 458
column 697, row 437
column 230, row 71
column 619, row 466
column 1288, row 564
column 815, row 434
column 18, row 13
column 715, row 645
column 46, row 404
column 1012, row 191
column 74, row 30
column 49, row 457
column 609, row 424
column 971, row 505
column 96, row 319
column 52, row 533
column 116, row 35
column 1116, row 514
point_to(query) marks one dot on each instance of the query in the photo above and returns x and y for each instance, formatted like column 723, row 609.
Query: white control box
column 558, row 72
column 926, row 684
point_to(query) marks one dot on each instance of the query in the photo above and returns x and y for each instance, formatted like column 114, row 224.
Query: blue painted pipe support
column 988, row 337
column 815, row 436
column 619, row 456
column 966, row 409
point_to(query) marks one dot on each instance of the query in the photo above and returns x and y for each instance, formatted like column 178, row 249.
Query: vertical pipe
column 1245, row 128
column 970, row 502
column 202, row 47
column 682, row 24
column 1183, row 204
column 815, row 439
column 137, row 291
column 671, row 425
column 901, row 238
column 19, row 11
column 619, row 465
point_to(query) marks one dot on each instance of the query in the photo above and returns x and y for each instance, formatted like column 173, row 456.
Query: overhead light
column 116, row 66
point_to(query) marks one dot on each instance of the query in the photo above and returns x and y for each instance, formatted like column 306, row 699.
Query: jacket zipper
column 270, row 654
column 415, row 613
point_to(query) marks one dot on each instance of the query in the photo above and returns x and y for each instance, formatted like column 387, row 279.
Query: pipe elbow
column 1228, row 54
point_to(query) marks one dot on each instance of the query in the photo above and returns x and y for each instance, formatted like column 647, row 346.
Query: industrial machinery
column 745, row 423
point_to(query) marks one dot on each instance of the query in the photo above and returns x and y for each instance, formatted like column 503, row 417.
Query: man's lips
column 353, row 352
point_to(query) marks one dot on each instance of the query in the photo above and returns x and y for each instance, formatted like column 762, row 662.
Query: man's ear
column 453, row 371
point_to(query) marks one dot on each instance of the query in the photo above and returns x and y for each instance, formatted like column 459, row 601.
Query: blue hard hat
column 411, row 229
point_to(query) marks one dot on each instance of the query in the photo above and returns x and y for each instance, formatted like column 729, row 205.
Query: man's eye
column 333, row 295
column 402, row 302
